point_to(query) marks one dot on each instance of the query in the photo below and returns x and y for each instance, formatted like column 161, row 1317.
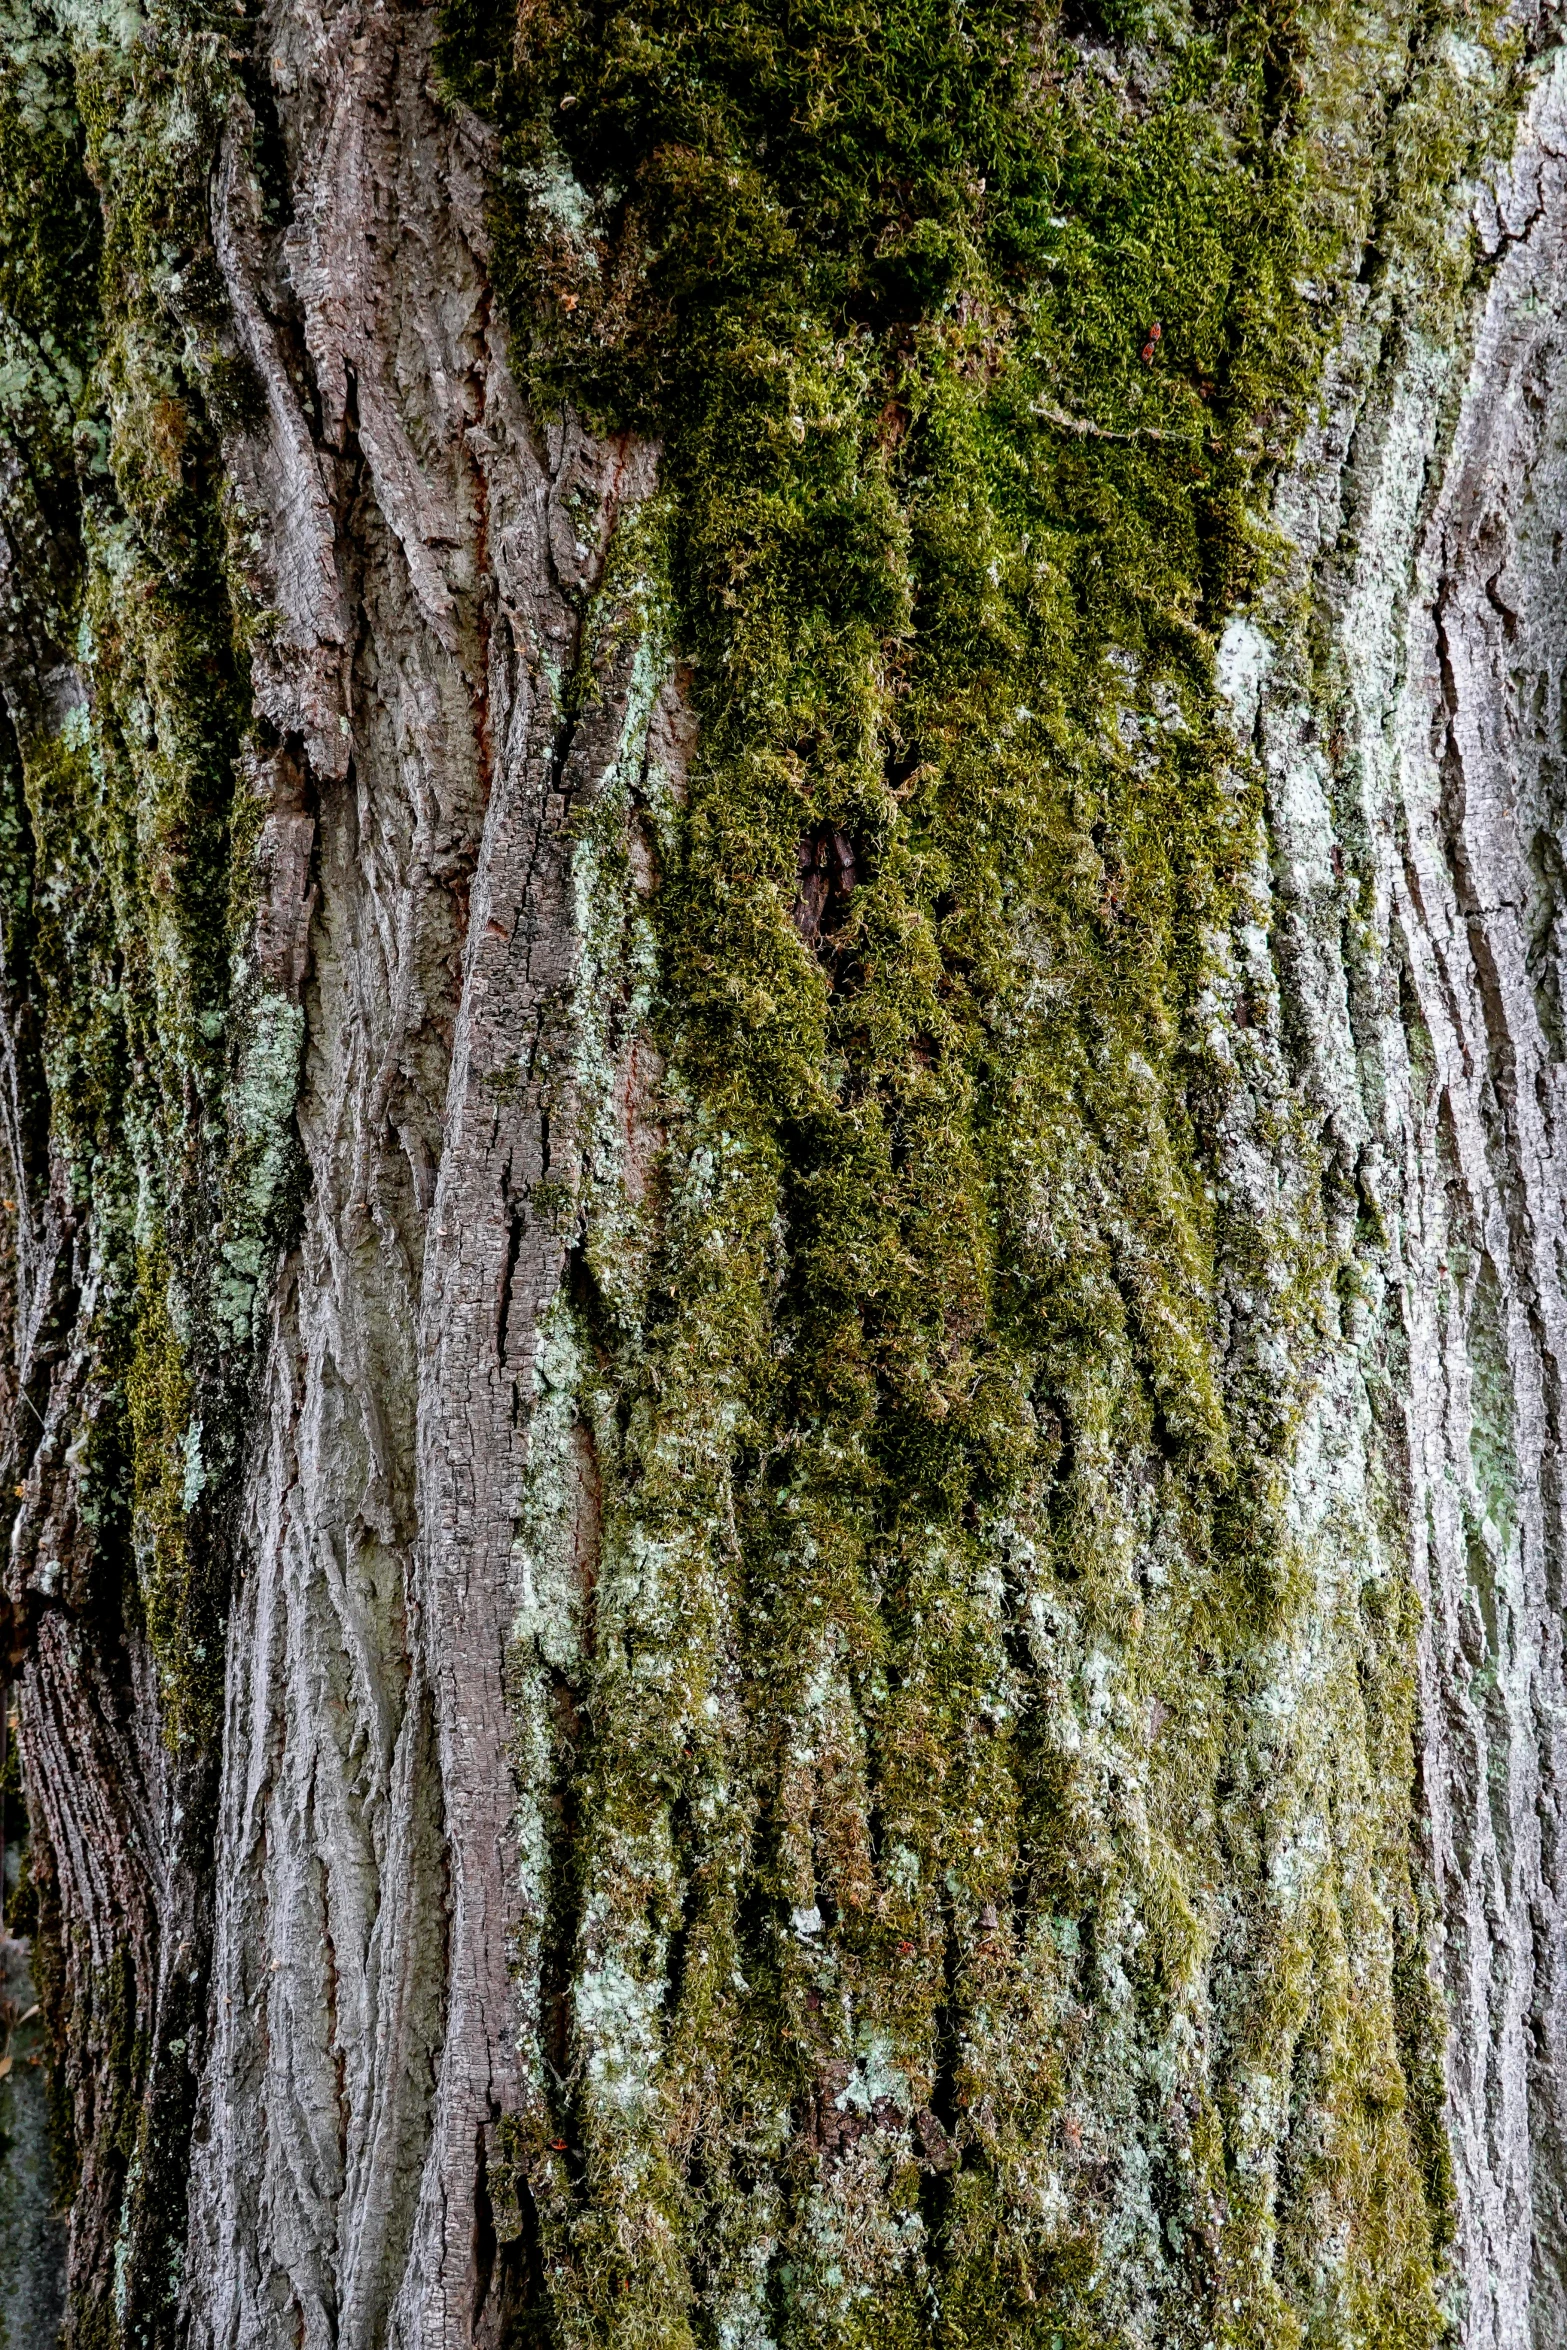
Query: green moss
column 168, row 1474
column 48, row 252
column 168, row 1070
column 941, row 1402
column 197, row 1149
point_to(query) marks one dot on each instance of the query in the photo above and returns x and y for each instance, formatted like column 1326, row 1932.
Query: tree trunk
column 785, row 1093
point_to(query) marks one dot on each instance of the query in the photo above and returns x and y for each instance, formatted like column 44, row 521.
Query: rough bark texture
column 367, row 1911
column 785, row 1141
column 1433, row 540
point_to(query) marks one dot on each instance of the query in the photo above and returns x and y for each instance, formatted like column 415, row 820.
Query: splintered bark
column 781, row 1036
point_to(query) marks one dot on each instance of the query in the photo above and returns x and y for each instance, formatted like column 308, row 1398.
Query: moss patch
column 167, row 1070
column 945, row 1944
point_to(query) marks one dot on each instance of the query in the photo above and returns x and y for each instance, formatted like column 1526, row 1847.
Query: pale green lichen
column 263, row 1150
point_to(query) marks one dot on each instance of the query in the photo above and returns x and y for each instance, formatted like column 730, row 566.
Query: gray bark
column 1427, row 511
column 370, row 1899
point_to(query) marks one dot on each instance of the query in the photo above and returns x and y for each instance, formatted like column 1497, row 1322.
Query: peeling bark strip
column 783, row 1198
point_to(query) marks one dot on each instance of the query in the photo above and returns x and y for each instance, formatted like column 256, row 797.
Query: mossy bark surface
column 781, row 866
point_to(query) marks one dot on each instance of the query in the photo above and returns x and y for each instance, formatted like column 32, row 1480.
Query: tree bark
column 781, row 1077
